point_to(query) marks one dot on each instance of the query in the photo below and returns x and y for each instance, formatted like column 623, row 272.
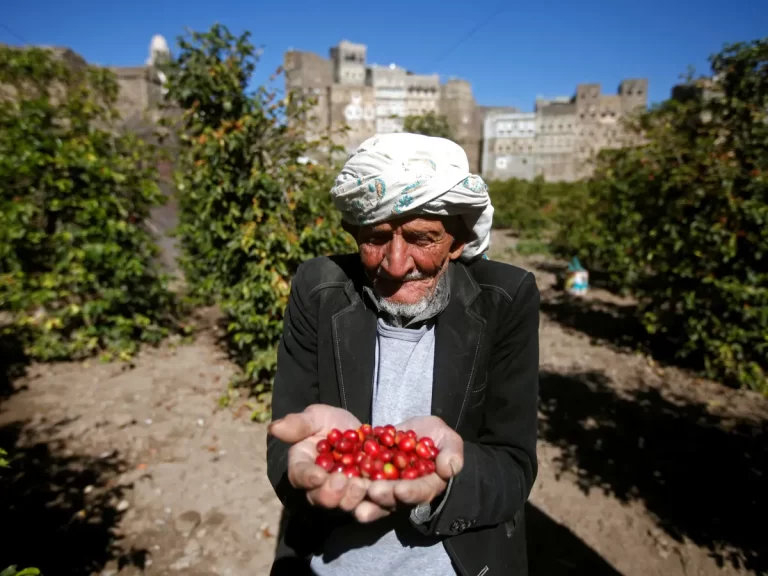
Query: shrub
column 532, row 209
column 76, row 271
column 682, row 221
column 429, row 124
column 250, row 210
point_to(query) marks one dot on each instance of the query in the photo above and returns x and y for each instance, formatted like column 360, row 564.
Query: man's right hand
column 304, row 430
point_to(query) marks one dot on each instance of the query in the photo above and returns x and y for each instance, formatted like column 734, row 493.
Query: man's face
column 404, row 258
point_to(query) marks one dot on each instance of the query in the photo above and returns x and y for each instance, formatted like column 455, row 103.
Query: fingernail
column 455, row 465
column 338, row 481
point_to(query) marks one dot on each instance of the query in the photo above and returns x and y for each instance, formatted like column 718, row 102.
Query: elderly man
column 419, row 330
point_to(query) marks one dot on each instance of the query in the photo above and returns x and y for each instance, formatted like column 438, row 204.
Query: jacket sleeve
column 499, row 469
column 295, row 385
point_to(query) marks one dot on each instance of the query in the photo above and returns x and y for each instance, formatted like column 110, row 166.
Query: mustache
column 381, row 274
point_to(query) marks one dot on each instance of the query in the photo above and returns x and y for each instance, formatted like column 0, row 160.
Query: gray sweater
column 402, row 389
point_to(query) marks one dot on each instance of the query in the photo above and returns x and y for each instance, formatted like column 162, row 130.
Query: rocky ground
column 644, row 469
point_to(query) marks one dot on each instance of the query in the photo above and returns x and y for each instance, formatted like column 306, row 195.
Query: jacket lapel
column 458, row 337
column 354, row 343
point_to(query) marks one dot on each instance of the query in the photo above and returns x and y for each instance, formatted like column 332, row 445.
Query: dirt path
column 124, row 471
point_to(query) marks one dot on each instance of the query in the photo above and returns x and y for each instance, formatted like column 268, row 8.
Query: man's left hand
column 390, row 494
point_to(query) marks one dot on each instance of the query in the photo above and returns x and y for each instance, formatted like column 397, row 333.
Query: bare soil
column 645, row 469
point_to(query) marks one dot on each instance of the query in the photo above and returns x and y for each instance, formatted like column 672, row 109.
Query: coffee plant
column 76, row 262
column 531, row 209
column 429, row 124
column 251, row 207
column 682, row 221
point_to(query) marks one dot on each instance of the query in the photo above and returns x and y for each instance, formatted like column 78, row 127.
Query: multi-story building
column 556, row 129
column 349, row 67
column 369, row 99
column 457, row 104
column 509, row 145
column 568, row 131
column 556, row 141
column 352, row 107
column 389, row 88
column 422, row 94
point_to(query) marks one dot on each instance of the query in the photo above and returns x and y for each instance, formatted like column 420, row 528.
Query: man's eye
column 421, row 240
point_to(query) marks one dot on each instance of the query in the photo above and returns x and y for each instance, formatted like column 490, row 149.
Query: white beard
column 405, row 310
column 432, row 304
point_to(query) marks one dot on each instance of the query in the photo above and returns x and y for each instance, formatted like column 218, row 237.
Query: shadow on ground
column 553, row 550
column 608, row 323
column 702, row 478
column 48, row 517
column 613, row 325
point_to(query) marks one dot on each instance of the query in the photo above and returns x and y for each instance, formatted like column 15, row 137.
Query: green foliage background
column 429, row 124
column 682, row 222
column 76, row 263
column 251, row 210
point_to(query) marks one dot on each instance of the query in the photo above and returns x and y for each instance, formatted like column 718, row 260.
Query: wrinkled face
column 404, row 258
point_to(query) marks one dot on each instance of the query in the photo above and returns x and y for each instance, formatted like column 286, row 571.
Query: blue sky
column 524, row 49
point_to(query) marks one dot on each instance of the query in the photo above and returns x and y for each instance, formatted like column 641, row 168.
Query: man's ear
column 456, row 249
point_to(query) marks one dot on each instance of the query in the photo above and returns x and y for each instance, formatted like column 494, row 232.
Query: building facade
column 457, row 104
column 369, row 99
column 567, row 133
column 510, row 139
column 556, row 141
column 391, row 95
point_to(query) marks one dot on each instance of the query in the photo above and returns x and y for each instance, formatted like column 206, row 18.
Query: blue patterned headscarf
column 396, row 175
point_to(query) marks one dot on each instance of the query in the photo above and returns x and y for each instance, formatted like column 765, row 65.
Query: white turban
column 396, row 175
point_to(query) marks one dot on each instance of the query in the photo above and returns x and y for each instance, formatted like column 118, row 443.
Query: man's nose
column 397, row 261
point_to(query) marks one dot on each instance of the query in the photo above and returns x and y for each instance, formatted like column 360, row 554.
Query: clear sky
column 519, row 51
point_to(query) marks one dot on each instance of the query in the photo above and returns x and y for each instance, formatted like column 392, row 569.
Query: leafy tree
column 682, row 221
column 429, row 124
column 250, row 211
column 76, row 263
column 531, row 208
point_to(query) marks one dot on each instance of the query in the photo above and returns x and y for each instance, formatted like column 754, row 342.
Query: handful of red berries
column 381, row 453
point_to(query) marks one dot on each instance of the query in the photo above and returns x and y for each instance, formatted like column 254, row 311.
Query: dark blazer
column 485, row 387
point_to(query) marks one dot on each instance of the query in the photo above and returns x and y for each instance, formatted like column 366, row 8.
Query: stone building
column 567, row 132
column 349, row 67
column 556, row 142
column 509, row 145
column 422, row 94
column 140, row 94
column 556, row 129
column 370, row 99
column 353, row 107
column 389, row 85
column 457, row 104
